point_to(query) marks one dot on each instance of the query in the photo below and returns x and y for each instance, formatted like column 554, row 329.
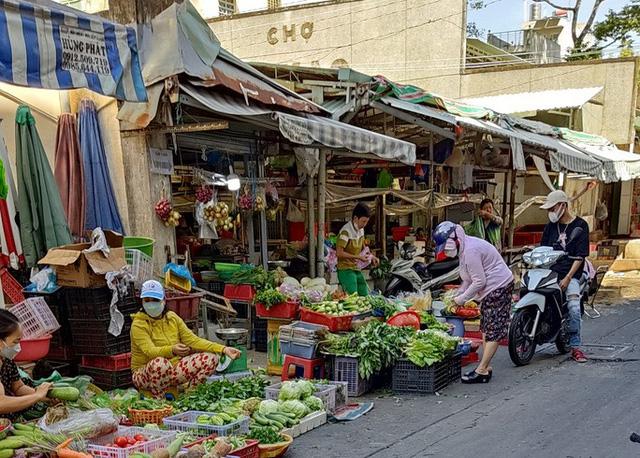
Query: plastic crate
column 250, row 450
column 232, row 377
column 91, row 337
column 326, row 392
column 312, row 421
column 409, row 378
column 141, row 266
column 107, row 380
column 95, row 303
column 186, row 306
column 260, row 334
column 36, row 318
column 111, row 363
column 216, row 287
column 334, row 323
column 11, row 287
column 302, row 330
column 298, row 347
column 62, row 352
column 239, row 292
column 187, row 422
column 157, row 439
column 286, row 310
column 345, row 369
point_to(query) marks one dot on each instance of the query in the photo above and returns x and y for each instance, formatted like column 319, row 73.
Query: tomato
column 122, row 442
column 139, row 438
column 131, row 440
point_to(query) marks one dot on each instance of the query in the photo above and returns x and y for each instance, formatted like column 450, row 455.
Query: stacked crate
column 105, row 357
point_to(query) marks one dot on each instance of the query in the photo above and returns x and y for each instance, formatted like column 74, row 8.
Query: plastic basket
column 326, row 392
column 216, row 287
column 95, row 303
column 286, row 310
column 186, row 306
column 144, row 417
column 175, row 281
column 334, row 323
column 260, row 334
column 409, row 378
column 157, row 439
column 11, row 288
column 110, row 363
column 36, row 318
column 141, row 266
column 275, row 450
column 298, row 347
column 60, row 352
column 187, row 422
column 248, row 451
column 91, row 337
column 302, row 330
column 312, row 421
column 345, row 369
column 107, row 380
column 239, row 292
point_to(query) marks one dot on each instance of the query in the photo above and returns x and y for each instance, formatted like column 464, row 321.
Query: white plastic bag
column 90, row 424
column 294, row 214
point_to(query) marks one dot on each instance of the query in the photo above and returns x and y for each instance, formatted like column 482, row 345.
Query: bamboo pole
column 312, row 222
column 322, row 202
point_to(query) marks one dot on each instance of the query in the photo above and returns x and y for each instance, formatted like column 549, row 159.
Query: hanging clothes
column 69, row 173
column 42, row 221
column 101, row 208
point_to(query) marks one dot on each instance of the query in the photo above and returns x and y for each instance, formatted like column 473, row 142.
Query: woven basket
column 144, row 417
column 275, row 450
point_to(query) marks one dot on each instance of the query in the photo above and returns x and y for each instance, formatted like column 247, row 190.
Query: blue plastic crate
column 297, row 347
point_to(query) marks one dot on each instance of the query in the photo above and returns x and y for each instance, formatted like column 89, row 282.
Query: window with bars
column 227, row 7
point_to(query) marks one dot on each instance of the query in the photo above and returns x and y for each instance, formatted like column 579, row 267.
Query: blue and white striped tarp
column 54, row 48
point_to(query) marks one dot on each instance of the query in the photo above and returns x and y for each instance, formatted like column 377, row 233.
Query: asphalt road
column 552, row 408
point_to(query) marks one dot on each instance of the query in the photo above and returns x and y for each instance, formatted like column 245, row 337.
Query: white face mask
column 153, row 309
column 555, row 216
column 450, row 249
column 10, row 352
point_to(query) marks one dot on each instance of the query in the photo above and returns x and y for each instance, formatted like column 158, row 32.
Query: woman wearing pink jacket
column 486, row 279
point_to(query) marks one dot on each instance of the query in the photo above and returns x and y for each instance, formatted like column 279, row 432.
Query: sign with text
column 84, row 51
column 161, row 161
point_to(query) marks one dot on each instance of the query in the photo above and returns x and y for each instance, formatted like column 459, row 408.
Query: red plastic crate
column 11, row 287
column 111, row 363
column 239, row 292
column 334, row 323
column 250, row 450
column 61, row 353
column 478, row 335
column 186, row 306
column 399, row 233
column 286, row 310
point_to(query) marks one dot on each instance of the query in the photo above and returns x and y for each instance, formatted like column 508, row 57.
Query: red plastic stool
column 309, row 366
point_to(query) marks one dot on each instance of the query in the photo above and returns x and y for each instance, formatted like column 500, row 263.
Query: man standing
column 569, row 269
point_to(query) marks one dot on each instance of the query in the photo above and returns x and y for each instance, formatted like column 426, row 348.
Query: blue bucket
column 458, row 326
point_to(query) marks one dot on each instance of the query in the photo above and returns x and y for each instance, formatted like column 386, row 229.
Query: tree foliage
column 620, row 26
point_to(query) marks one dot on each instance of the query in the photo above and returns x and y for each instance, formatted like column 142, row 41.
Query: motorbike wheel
column 521, row 346
column 562, row 342
column 396, row 286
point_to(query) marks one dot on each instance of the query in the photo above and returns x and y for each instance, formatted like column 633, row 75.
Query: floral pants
column 495, row 313
column 159, row 374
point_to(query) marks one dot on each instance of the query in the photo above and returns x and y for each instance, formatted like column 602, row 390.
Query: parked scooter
column 408, row 275
column 540, row 316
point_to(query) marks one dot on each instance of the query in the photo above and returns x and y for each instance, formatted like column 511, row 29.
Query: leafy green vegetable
column 430, row 346
column 306, row 388
column 203, row 396
column 295, row 407
column 289, row 391
column 266, row 435
column 255, row 276
column 268, row 406
column 431, row 322
column 314, row 403
column 269, row 297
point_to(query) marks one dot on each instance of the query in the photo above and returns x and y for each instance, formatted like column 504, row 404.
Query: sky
column 506, row 15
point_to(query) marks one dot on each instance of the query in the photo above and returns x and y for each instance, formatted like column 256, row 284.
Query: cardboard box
column 77, row 269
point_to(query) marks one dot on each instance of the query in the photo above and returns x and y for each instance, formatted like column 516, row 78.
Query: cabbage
column 306, row 388
column 295, row 407
column 268, row 406
column 289, row 391
column 290, row 281
column 314, row 403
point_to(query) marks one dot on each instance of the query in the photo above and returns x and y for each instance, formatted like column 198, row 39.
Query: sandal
column 474, row 377
column 470, row 373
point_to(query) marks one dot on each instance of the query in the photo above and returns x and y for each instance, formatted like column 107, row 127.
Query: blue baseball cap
column 152, row 289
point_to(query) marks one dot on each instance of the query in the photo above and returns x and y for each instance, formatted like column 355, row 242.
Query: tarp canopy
column 523, row 102
column 46, row 45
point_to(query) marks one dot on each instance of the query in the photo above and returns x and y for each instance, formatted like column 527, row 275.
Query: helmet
column 441, row 234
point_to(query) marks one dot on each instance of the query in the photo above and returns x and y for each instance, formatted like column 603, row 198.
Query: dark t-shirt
column 556, row 234
column 8, row 376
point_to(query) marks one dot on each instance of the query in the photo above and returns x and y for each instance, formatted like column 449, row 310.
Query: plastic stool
column 309, row 366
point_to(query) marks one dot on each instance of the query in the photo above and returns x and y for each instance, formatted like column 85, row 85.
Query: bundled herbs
column 204, row 396
column 269, row 297
column 431, row 322
column 266, row 435
column 255, row 276
column 381, row 272
column 430, row 346
column 383, row 307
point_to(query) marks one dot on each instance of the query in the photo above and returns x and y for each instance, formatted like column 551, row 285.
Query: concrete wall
column 406, row 40
column 611, row 116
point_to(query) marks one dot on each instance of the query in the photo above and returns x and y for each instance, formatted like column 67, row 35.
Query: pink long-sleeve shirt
column 482, row 269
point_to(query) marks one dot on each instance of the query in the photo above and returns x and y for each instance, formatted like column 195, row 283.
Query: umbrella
column 101, row 208
column 11, row 246
column 69, row 173
column 42, row 221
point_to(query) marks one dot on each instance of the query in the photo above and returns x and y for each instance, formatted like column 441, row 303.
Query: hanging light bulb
column 233, row 180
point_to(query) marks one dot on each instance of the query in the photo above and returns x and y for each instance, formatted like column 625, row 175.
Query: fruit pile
column 128, row 441
column 204, row 194
column 246, row 201
column 218, row 215
column 165, row 212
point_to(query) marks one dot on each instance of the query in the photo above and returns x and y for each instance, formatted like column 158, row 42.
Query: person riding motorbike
column 569, row 269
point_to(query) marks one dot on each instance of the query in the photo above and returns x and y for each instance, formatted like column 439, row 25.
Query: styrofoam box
column 311, row 421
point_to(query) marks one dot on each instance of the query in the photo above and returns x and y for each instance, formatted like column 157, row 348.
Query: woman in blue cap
column 164, row 351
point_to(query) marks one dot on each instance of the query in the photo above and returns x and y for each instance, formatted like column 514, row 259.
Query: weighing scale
column 236, row 338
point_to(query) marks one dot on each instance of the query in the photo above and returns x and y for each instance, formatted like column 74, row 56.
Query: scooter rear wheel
column 521, row 346
column 562, row 342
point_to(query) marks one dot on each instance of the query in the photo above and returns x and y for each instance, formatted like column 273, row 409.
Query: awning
column 618, row 165
column 312, row 130
column 537, row 101
column 47, row 45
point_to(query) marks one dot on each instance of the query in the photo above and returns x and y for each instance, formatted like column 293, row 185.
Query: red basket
column 334, row 323
column 286, row 310
column 250, row 450
column 409, row 318
column 111, row 363
column 399, row 233
column 239, row 292
column 186, row 306
column 11, row 287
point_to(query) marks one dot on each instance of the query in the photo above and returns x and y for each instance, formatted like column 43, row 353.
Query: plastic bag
column 43, row 280
column 89, row 424
column 366, row 253
column 602, row 212
column 294, row 214
column 420, row 302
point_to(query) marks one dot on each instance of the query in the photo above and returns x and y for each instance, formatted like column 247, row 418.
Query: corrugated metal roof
column 536, row 101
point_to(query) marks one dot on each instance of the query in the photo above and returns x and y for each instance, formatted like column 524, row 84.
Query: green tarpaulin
column 42, row 218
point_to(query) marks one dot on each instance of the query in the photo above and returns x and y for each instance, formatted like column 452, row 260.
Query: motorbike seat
column 439, row 268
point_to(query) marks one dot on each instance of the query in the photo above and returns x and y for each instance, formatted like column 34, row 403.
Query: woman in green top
column 486, row 225
column 348, row 248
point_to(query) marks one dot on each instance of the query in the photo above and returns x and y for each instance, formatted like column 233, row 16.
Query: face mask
column 450, row 249
column 10, row 352
column 555, row 216
column 153, row 309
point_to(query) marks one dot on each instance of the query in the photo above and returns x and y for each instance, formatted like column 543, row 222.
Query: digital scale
column 236, row 338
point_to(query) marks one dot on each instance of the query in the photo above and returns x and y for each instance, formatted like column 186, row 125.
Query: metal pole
column 251, row 241
column 428, row 224
column 312, row 224
column 322, row 201
column 264, row 236
column 512, row 207
column 383, row 226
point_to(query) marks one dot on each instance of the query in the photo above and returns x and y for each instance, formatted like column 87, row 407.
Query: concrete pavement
column 552, row 408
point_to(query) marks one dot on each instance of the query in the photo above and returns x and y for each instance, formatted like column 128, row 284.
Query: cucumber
column 65, row 393
column 23, row 427
column 6, row 453
column 11, row 443
column 261, row 420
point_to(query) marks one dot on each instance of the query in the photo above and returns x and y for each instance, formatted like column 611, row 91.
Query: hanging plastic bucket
column 144, row 244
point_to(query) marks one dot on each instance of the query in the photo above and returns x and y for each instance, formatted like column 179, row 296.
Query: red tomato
column 122, row 442
column 131, row 440
column 139, row 438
